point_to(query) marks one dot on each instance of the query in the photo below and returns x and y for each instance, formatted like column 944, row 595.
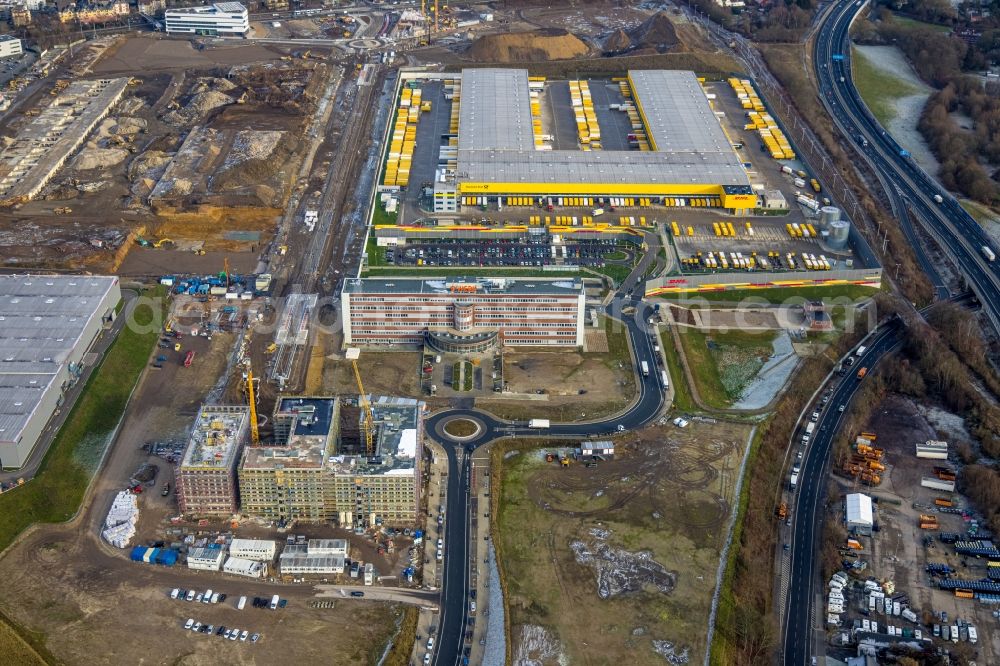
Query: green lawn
column 879, row 89
column 616, row 272
column 722, row 364
column 682, row 392
column 979, row 213
column 616, row 255
column 778, row 294
column 376, row 254
column 379, row 216
column 908, row 22
column 54, row 495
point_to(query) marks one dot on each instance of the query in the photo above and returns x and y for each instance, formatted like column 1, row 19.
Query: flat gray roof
column 495, row 110
column 463, row 286
column 496, row 143
column 677, row 113
column 42, row 321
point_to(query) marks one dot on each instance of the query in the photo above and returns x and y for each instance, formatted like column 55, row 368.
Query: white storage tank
column 840, row 231
column 827, row 215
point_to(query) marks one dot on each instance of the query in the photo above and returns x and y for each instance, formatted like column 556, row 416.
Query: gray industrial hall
column 48, row 323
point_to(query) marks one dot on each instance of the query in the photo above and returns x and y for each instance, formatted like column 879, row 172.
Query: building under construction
column 206, row 477
column 319, row 469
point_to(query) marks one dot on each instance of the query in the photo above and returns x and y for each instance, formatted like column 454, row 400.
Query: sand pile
column 127, row 125
column 538, row 45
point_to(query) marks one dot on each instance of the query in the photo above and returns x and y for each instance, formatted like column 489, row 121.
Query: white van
column 175, row 593
column 242, row 603
column 274, row 602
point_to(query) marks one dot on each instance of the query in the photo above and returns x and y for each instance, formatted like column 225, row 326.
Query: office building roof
column 216, row 436
column 313, row 416
column 217, row 8
column 459, row 285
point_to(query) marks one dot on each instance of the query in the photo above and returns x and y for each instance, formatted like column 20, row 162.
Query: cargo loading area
column 496, row 137
column 505, row 169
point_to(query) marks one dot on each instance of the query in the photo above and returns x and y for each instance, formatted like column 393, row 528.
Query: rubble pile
column 620, row 571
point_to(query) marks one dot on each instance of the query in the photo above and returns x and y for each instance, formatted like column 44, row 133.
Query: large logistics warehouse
column 502, row 148
column 48, row 323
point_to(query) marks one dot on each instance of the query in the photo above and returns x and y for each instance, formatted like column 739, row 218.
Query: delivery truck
column 538, row 423
column 645, row 369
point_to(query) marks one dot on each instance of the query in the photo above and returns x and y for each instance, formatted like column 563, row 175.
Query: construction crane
column 254, row 432
column 368, row 422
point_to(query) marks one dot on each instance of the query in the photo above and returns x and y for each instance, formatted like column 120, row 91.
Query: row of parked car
column 223, row 631
column 206, row 597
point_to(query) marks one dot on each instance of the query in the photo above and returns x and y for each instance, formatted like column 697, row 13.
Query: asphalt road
column 960, row 236
column 799, row 608
column 627, row 307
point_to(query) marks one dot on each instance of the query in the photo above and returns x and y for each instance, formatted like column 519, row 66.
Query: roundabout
column 461, row 429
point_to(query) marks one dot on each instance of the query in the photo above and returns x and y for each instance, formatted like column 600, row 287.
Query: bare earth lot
column 93, row 606
column 157, row 53
column 613, row 563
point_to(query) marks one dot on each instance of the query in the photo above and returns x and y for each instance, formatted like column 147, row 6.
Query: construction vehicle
column 142, row 242
column 782, row 511
column 134, row 81
column 199, row 252
column 862, row 372
column 368, row 421
column 160, row 242
column 271, row 348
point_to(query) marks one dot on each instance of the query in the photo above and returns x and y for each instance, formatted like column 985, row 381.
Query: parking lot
column 504, row 253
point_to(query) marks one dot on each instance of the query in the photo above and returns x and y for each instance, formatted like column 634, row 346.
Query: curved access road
column 455, row 619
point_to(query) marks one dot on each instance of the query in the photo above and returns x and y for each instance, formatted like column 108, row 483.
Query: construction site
column 202, row 155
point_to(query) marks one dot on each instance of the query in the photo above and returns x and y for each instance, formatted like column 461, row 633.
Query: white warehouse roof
column 859, row 510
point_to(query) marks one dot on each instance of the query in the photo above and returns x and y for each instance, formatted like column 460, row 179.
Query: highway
column 959, row 235
column 454, row 621
column 799, row 608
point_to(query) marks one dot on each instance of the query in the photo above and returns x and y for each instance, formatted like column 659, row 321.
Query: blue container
column 137, row 553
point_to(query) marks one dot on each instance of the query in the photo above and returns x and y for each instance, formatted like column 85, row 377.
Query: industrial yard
column 617, row 556
column 924, row 545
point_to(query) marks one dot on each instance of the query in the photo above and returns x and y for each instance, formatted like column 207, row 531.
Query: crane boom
column 254, row 432
column 368, row 422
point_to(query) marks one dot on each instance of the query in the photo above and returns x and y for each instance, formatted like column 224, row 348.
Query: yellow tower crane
column 254, row 433
column 368, row 422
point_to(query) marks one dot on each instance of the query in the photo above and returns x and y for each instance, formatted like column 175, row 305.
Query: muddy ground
column 94, row 606
column 668, row 493
column 91, row 213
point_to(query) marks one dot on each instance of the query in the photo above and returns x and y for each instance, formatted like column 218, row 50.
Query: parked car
column 244, row 635
column 357, row 593
column 255, row 638
column 189, row 623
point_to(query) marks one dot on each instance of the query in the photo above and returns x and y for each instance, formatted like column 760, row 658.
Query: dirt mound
column 655, row 32
column 534, row 46
column 198, row 107
column 618, row 42
column 99, row 158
